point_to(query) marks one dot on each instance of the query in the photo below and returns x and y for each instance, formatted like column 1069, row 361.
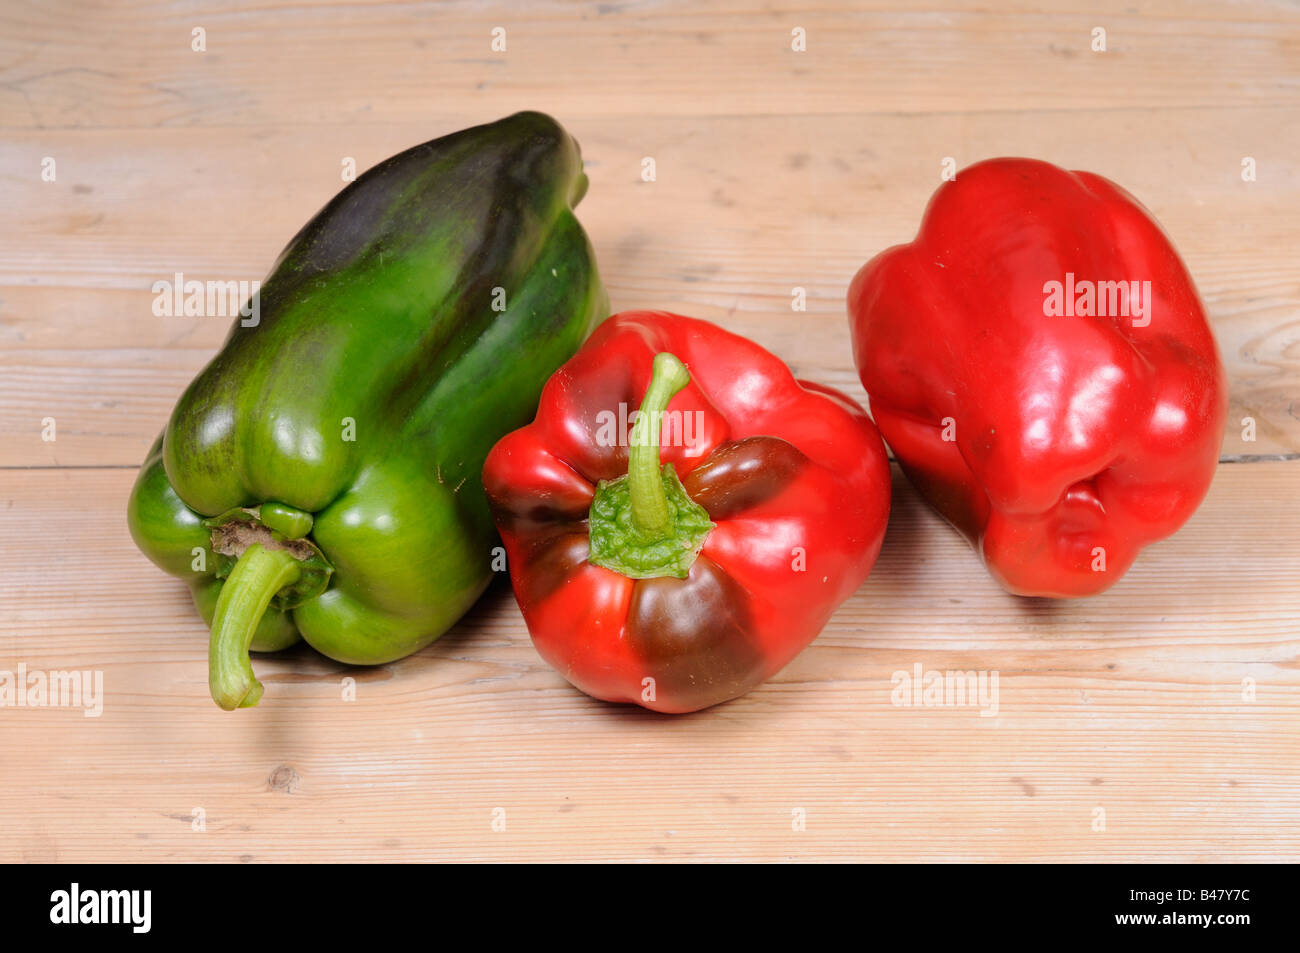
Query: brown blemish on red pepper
column 693, row 635
column 521, row 513
column 552, row 558
column 739, row 476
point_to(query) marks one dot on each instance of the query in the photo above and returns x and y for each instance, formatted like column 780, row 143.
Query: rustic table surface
column 1160, row 721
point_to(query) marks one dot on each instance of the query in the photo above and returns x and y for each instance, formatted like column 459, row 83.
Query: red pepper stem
column 650, row 513
column 257, row 577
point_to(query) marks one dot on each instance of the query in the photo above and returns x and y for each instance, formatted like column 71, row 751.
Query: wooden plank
column 1131, row 702
column 742, row 211
column 130, row 64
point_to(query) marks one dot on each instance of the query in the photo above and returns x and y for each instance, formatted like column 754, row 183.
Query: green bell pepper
column 320, row 478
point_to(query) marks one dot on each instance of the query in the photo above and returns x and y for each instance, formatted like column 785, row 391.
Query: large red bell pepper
column 682, row 586
column 1041, row 365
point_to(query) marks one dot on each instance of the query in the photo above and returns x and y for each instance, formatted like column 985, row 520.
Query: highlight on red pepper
column 683, row 564
column 1041, row 366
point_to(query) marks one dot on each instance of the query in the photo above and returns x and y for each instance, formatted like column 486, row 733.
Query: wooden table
column 1160, row 721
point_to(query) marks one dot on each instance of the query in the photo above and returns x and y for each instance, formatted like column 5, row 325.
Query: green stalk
column 644, row 525
column 257, row 577
column 650, row 513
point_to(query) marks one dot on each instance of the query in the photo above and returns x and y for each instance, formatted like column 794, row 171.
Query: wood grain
column 1170, row 703
column 742, row 212
column 131, row 64
column 1131, row 702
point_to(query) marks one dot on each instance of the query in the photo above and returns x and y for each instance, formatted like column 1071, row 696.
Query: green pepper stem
column 257, row 577
column 650, row 513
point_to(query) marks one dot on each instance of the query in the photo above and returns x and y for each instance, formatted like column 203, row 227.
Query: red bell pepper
column 682, row 564
column 1040, row 364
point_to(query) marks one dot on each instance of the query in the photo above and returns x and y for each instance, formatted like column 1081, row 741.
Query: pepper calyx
column 644, row 524
column 617, row 544
column 235, row 531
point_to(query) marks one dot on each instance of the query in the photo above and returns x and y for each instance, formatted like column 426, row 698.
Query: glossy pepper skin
column 782, row 487
column 1059, row 441
column 321, row 476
